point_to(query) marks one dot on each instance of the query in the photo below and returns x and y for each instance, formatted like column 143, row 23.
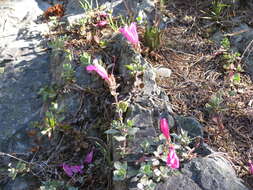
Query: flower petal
column 70, row 170
column 164, row 127
column 67, row 170
column 99, row 70
column 172, row 159
column 130, row 33
column 89, row 157
column 76, row 169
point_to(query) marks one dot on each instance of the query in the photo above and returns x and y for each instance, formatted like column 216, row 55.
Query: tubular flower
column 164, row 127
column 172, row 159
column 99, row 70
column 89, row 157
column 71, row 170
column 251, row 168
column 130, row 33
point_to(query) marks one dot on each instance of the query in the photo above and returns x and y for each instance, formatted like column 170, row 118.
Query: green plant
column 53, row 118
column 231, row 63
column 120, row 172
column 20, row 168
column 57, row 44
column 152, row 37
column 162, row 4
column 225, row 43
column 85, row 59
column 56, row 184
column 217, row 9
column 113, row 23
column 68, row 72
column 135, row 67
column 48, row 92
column 215, row 103
column 87, row 5
column 54, row 22
column 216, row 12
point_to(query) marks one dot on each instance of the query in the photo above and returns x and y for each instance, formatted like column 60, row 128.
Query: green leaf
column 119, row 175
column 118, row 165
column 85, row 58
column 120, row 138
column 111, row 131
column 130, row 67
column 132, row 131
column 130, row 123
column 237, row 77
column 123, row 106
column 146, row 169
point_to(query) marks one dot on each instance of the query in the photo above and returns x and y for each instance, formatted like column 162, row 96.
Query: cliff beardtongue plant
column 89, row 157
column 172, row 159
column 130, row 33
column 109, row 79
column 71, row 170
column 99, row 70
column 164, row 127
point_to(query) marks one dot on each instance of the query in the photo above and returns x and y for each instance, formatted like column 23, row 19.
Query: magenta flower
column 89, row 157
column 71, row 170
column 130, row 33
column 251, row 167
column 101, row 23
column 99, row 70
column 164, row 127
column 172, row 159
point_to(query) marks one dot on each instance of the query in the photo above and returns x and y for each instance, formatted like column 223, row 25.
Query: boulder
column 204, row 174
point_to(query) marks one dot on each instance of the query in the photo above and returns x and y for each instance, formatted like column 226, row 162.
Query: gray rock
column 74, row 19
column 26, row 70
column 191, row 125
column 242, row 40
column 213, row 173
column 178, row 182
column 74, row 7
column 20, row 183
column 204, row 174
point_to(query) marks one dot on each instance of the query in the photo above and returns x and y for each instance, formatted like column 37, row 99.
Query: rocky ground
column 52, row 111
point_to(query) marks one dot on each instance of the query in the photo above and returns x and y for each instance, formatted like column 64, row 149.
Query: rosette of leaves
column 152, row 37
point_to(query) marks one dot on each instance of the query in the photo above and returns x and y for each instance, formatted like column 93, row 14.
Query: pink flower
column 130, row 33
column 164, row 127
column 251, row 167
column 172, row 159
column 71, row 170
column 89, row 157
column 101, row 23
column 99, row 70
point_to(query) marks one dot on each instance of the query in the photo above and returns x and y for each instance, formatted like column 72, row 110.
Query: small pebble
column 163, row 72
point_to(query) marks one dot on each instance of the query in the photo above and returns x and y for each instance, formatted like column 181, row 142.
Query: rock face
column 191, row 125
column 25, row 69
column 204, row 174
